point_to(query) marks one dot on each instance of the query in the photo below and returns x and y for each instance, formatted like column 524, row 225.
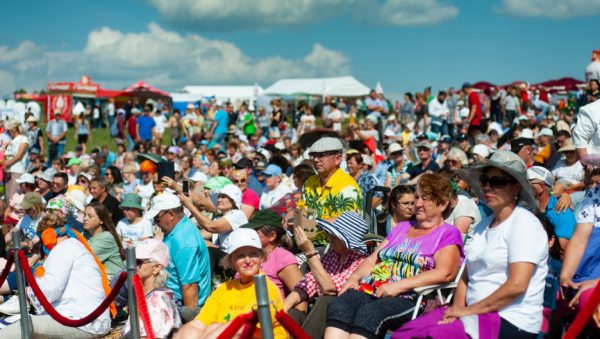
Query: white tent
column 186, row 97
column 225, row 93
column 342, row 86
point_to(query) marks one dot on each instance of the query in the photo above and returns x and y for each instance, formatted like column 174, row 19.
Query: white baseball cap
column 242, row 237
column 481, row 150
column 545, row 131
column 162, row 202
column 540, row 173
column 26, row 178
column 219, row 103
column 233, row 192
column 389, row 133
column 199, row 176
column 526, row 133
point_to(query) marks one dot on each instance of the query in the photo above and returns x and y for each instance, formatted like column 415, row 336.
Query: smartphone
column 566, row 293
column 186, row 188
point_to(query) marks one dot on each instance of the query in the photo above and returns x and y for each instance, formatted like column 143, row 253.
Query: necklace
column 273, row 249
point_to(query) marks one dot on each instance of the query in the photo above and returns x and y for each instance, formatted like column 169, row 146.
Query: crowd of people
column 500, row 186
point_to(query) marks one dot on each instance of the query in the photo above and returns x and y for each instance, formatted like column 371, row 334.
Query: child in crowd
column 133, row 228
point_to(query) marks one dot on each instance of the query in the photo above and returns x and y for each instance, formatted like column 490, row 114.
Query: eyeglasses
column 227, row 167
column 462, row 137
column 81, row 181
column 222, row 196
column 451, row 162
column 241, row 181
column 323, row 155
column 495, row 181
column 140, row 262
column 423, row 149
column 159, row 216
column 406, row 204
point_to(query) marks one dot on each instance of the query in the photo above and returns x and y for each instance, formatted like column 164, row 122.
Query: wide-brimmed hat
column 510, row 163
column 567, row 146
column 132, row 200
column 350, row 228
column 234, row 193
column 77, row 197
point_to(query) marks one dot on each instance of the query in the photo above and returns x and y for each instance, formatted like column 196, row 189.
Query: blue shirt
column 146, row 124
column 374, row 102
column 56, row 129
column 255, row 185
column 223, row 118
column 189, row 262
column 381, row 170
column 564, row 223
column 111, row 158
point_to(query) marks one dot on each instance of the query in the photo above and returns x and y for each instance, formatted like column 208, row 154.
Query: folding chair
column 425, row 290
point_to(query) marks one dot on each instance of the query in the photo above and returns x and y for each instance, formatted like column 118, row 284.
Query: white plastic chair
column 425, row 290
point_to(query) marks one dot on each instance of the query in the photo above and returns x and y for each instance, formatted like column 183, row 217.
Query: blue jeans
column 60, row 148
column 130, row 143
column 443, row 128
column 219, row 138
column 111, row 119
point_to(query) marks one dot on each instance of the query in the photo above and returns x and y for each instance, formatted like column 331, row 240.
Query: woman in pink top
column 250, row 200
column 282, row 266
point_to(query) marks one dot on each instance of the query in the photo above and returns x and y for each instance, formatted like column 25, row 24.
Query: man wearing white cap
column 189, row 267
column 586, row 138
column 331, row 191
column 564, row 222
column 275, row 188
column 218, row 131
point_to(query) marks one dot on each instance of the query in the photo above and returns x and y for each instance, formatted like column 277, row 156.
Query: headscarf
column 148, row 166
column 62, row 204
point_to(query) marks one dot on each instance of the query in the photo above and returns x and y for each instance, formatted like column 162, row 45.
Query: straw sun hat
column 510, row 163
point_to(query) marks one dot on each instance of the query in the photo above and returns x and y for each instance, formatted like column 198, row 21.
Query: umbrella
column 140, row 157
column 310, row 137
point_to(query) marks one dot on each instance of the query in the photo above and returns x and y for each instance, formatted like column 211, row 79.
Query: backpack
column 114, row 129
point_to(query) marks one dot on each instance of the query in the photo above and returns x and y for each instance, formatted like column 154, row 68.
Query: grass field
column 101, row 136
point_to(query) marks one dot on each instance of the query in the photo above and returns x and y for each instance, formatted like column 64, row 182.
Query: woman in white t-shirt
column 307, row 122
column 159, row 129
column 336, row 116
column 15, row 155
column 568, row 172
column 506, row 264
column 229, row 215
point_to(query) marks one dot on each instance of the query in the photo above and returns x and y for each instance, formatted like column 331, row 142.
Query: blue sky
column 404, row 44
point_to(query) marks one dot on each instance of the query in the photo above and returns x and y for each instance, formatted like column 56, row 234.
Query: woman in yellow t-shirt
column 238, row 296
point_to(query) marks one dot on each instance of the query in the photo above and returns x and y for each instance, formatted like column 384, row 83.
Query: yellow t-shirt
column 341, row 194
column 232, row 299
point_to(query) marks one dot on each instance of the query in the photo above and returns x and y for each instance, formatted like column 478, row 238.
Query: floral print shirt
column 163, row 314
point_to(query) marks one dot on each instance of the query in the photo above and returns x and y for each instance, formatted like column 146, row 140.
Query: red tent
column 109, row 93
column 484, row 86
column 515, row 84
column 141, row 86
column 560, row 85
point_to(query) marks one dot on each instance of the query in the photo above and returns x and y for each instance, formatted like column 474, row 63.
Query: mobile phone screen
column 186, row 187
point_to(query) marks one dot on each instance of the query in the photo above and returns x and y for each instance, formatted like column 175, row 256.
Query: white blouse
column 73, row 285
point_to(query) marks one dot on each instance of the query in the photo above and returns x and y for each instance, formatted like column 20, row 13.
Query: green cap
column 30, row 199
column 73, row 161
column 264, row 217
column 454, row 187
column 217, row 182
column 225, row 162
column 132, row 200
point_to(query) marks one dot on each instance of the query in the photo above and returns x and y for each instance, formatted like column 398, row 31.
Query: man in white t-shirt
column 274, row 189
column 465, row 214
column 133, row 228
column 110, row 108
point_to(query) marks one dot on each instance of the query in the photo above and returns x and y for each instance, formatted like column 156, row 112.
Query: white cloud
column 554, row 9
column 232, row 15
column 165, row 59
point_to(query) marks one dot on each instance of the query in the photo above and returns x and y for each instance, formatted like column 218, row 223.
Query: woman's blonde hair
column 37, row 210
column 14, row 124
column 228, row 263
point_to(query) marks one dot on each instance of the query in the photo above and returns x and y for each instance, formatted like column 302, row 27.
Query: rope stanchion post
column 133, row 310
column 263, row 306
column 25, row 326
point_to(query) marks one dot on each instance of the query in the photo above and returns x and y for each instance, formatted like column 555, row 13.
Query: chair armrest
column 431, row 288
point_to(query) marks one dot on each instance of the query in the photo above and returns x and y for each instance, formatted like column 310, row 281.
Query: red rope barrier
column 53, row 313
column 291, row 326
column 250, row 327
column 584, row 315
column 143, row 306
column 6, row 271
column 235, row 325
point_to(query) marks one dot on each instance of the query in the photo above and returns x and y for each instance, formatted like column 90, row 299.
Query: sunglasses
column 462, row 137
column 222, row 196
column 140, row 262
column 495, row 181
column 158, row 217
column 241, row 181
column 82, row 181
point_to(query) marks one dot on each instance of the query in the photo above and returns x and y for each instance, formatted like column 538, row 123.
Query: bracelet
column 311, row 255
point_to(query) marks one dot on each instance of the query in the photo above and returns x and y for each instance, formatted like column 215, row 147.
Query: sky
column 406, row 45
